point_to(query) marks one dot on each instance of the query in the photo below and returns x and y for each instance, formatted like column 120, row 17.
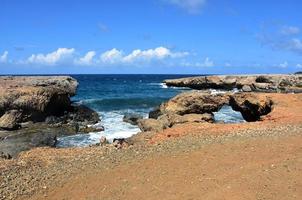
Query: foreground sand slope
column 262, row 168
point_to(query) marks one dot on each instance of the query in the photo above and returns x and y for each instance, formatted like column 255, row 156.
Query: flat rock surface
column 34, row 93
column 65, row 84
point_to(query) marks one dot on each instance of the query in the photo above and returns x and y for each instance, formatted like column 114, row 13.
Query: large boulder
column 10, row 120
column 151, row 125
column 194, row 102
column 169, row 120
column 36, row 96
column 251, row 106
column 132, row 118
column 82, row 113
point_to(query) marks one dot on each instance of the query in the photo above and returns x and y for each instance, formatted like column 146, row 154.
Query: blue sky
column 150, row 36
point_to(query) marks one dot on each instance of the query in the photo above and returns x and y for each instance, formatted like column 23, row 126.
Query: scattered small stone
column 5, row 155
column 246, row 88
column 103, row 141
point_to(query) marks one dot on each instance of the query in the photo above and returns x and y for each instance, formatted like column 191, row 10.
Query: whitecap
column 114, row 128
column 228, row 115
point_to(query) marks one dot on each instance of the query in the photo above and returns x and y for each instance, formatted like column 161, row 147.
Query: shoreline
column 48, row 172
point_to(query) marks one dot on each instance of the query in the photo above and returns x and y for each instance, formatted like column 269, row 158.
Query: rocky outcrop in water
column 198, row 107
column 34, row 110
column 194, row 102
column 132, row 118
column 248, row 83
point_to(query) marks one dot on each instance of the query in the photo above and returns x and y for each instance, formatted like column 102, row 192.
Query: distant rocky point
column 246, row 83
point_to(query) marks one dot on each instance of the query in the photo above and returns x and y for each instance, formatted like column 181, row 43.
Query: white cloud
column 284, row 38
column 112, row 56
column 87, row 59
column 103, row 27
column 228, row 64
column 191, row 6
column 206, row 63
column 51, row 58
column 284, row 65
column 295, row 45
column 3, row 57
column 299, row 65
column 290, row 30
column 138, row 55
column 149, row 54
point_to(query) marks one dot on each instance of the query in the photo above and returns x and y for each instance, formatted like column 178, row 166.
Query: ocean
column 114, row 96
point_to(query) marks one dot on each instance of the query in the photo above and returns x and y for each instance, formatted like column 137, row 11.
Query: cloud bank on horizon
column 159, row 36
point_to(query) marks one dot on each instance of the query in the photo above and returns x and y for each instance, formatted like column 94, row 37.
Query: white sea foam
column 214, row 91
column 228, row 115
column 114, row 128
column 163, row 85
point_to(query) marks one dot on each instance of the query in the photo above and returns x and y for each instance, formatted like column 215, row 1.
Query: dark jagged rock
column 256, row 83
column 81, row 113
column 155, row 113
column 132, row 118
column 121, row 143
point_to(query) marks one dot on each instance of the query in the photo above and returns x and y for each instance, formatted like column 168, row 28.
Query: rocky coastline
column 173, row 133
column 35, row 110
column 246, row 83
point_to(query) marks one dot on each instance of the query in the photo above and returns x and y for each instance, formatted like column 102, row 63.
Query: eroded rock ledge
column 34, row 110
column 247, row 83
column 198, row 107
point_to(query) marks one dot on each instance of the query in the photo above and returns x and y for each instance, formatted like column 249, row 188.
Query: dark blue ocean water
column 113, row 96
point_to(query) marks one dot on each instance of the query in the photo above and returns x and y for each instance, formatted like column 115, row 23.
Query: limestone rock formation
column 198, row 107
column 9, row 121
column 194, row 102
column 252, row 107
column 34, row 110
column 36, row 96
column 151, row 125
column 256, row 83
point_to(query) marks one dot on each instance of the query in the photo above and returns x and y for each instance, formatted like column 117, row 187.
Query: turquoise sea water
column 113, row 96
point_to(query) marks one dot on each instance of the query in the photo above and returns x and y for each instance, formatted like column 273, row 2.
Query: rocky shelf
column 34, row 110
column 247, row 83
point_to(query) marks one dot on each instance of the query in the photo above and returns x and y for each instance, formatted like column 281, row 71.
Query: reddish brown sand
column 261, row 160
column 263, row 169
